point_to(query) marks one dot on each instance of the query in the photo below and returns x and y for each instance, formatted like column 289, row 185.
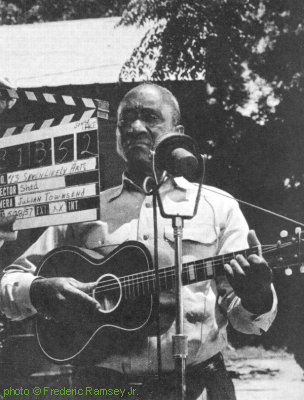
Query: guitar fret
column 229, row 257
column 198, row 270
column 191, row 272
column 223, row 259
column 209, row 268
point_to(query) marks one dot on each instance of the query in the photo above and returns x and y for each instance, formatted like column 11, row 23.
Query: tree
column 206, row 40
column 29, row 11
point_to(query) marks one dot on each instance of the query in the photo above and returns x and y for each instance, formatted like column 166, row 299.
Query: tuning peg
column 302, row 269
column 288, row 271
column 298, row 230
column 283, row 234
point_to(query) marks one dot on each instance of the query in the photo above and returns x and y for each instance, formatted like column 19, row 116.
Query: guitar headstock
column 290, row 252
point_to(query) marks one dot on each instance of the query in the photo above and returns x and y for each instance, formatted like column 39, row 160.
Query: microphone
column 179, row 155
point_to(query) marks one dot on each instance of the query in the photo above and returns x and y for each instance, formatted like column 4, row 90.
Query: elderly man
column 245, row 296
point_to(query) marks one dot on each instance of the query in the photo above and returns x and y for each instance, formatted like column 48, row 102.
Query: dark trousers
column 210, row 375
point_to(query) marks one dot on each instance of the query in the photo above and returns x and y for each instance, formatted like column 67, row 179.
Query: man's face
column 143, row 117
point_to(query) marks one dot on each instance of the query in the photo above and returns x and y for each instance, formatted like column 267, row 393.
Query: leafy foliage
column 29, row 11
column 280, row 61
column 206, row 40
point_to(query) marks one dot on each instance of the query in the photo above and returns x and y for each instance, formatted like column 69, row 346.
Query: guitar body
column 124, row 323
column 126, row 287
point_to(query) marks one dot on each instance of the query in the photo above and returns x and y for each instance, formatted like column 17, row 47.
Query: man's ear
column 180, row 129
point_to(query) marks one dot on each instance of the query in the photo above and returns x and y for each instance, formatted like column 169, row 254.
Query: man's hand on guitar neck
column 251, row 279
column 64, row 299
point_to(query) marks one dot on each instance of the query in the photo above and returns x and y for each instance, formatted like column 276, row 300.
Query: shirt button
column 148, row 205
column 146, row 237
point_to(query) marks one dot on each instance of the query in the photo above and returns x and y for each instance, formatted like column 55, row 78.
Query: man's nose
column 138, row 126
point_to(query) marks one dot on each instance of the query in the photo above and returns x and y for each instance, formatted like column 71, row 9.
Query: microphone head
column 178, row 155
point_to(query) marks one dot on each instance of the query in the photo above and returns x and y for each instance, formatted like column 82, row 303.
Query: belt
column 204, row 367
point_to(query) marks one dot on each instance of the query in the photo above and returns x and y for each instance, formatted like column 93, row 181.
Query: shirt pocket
column 100, row 237
column 199, row 240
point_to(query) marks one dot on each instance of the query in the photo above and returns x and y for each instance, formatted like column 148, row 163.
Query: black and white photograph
column 152, row 199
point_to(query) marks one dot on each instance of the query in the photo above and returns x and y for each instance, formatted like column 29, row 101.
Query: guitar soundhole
column 108, row 292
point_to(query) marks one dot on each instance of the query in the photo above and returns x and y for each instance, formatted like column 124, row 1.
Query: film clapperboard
column 49, row 170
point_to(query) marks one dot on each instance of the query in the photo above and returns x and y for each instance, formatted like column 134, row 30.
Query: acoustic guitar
column 126, row 291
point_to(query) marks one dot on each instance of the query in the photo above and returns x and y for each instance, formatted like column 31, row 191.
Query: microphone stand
column 179, row 343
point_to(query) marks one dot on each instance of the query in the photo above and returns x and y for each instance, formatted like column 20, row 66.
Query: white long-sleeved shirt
column 126, row 212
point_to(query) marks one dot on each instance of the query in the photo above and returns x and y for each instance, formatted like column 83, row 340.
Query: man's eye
column 151, row 118
column 124, row 121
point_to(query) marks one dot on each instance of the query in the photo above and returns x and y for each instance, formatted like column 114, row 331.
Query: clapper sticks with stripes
column 85, row 108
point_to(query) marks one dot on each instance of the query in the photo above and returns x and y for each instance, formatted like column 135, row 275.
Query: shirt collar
column 127, row 184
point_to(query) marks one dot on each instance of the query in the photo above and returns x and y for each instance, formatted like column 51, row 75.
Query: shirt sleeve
column 233, row 237
column 246, row 322
column 17, row 278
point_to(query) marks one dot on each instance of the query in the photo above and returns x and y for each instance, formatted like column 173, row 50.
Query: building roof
column 67, row 52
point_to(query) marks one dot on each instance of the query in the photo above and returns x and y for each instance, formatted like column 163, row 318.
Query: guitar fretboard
column 278, row 256
column 144, row 283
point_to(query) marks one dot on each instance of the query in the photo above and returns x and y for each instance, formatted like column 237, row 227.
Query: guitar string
column 142, row 290
column 111, row 285
column 168, row 270
column 150, row 274
column 140, row 282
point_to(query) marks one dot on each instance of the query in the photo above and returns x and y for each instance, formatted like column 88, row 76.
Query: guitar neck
column 196, row 271
column 202, row 270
